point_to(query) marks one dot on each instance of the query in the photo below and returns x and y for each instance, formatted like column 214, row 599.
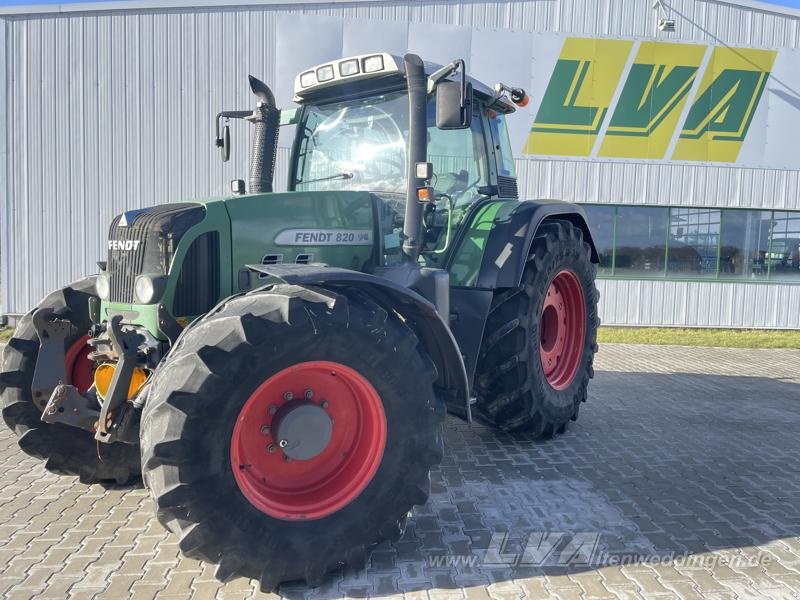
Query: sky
column 792, row 3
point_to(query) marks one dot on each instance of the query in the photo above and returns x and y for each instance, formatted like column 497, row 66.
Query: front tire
column 233, row 383
column 540, row 339
column 66, row 450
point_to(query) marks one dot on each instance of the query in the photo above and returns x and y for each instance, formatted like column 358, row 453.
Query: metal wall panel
column 699, row 304
column 5, row 184
column 659, row 183
column 111, row 110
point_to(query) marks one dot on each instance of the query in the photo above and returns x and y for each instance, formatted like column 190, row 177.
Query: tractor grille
column 145, row 244
column 198, row 284
column 125, row 265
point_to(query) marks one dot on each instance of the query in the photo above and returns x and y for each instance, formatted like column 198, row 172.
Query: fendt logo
column 127, row 245
column 599, row 102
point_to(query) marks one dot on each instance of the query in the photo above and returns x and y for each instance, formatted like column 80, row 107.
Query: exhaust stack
column 266, row 119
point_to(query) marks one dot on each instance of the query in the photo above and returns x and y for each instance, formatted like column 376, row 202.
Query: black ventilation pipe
column 266, row 118
column 417, row 152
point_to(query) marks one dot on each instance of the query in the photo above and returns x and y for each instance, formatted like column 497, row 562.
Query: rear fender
column 417, row 312
column 509, row 243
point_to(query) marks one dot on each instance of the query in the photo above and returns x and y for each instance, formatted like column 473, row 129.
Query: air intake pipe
column 417, row 153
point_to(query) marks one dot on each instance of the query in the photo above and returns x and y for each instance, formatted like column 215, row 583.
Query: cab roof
column 367, row 72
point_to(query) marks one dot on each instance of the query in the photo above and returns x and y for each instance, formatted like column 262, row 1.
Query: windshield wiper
column 328, row 178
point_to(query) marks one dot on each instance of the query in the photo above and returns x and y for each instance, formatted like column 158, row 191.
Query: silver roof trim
column 22, row 10
column 157, row 5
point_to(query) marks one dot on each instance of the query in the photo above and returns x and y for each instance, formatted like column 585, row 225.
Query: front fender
column 509, row 243
column 417, row 312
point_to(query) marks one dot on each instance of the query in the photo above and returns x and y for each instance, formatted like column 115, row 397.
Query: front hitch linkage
column 115, row 421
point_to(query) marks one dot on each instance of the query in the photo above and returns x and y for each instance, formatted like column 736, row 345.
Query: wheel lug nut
column 288, row 396
column 309, row 394
column 325, row 404
column 283, row 443
column 271, row 448
column 272, row 409
column 265, row 429
column 287, row 458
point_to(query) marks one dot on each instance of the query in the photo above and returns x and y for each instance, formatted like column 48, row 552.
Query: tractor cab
column 353, row 135
column 427, row 161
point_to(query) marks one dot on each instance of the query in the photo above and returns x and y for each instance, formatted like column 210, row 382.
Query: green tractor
column 277, row 366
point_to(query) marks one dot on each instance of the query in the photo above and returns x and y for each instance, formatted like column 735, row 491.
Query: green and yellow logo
column 651, row 96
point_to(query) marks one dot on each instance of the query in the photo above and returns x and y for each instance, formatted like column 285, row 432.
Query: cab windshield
column 355, row 145
column 363, row 145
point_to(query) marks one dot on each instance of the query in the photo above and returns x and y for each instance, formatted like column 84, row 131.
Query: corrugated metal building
column 109, row 107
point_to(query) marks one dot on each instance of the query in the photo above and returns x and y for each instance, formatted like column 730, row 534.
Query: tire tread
column 509, row 395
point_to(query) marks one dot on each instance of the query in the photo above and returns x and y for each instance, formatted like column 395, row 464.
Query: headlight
column 102, row 286
column 325, row 73
column 348, row 67
column 147, row 289
column 373, row 64
column 308, row 79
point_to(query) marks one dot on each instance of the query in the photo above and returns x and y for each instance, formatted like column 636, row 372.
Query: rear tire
column 66, row 450
column 523, row 383
column 203, row 393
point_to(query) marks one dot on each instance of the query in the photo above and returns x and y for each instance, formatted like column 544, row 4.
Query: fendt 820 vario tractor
column 277, row 366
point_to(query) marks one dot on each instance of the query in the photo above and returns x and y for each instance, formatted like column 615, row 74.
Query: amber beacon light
column 517, row 95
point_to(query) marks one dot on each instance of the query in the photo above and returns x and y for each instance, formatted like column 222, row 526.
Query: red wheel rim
column 562, row 329
column 78, row 367
column 321, row 485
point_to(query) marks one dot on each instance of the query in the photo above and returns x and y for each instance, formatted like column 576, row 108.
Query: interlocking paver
column 592, row 585
column 682, row 478
column 647, row 581
column 145, row 591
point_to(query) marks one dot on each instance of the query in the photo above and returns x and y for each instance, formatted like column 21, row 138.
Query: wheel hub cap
column 304, row 431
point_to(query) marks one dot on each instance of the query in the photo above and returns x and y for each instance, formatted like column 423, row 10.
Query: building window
column 602, row 226
column 783, row 259
column 744, row 244
column 648, row 242
column 641, row 241
column 693, row 246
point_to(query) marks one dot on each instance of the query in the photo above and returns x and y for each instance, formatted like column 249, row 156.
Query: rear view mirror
column 453, row 112
column 223, row 140
column 225, row 148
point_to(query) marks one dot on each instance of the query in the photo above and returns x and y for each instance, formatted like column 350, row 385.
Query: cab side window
column 502, row 145
column 459, row 160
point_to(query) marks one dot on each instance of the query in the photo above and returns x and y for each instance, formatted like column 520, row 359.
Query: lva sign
column 651, row 100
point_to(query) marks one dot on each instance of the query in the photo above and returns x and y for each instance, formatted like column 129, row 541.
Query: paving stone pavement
column 681, row 479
